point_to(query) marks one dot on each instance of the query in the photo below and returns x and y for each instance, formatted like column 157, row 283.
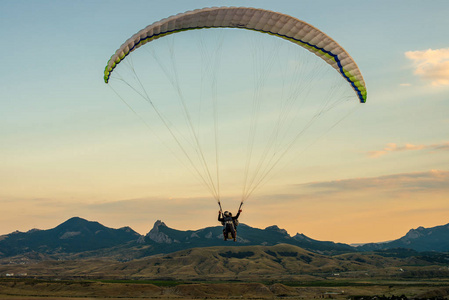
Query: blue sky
column 70, row 147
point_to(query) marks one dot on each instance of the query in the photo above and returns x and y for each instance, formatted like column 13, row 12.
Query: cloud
column 405, row 182
column 392, row 147
column 431, row 65
column 405, row 84
column 392, row 186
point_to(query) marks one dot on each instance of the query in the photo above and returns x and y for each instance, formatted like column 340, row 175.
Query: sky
column 70, row 147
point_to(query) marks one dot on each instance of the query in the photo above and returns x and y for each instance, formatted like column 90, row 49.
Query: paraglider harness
column 230, row 224
column 230, row 227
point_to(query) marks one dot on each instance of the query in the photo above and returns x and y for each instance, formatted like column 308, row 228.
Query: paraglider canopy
column 260, row 20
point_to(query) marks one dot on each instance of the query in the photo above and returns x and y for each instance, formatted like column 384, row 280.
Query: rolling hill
column 281, row 262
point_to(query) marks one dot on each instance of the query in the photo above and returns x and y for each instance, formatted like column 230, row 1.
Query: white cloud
column 431, row 65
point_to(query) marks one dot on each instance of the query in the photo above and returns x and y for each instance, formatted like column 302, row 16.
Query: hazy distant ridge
column 419, row 239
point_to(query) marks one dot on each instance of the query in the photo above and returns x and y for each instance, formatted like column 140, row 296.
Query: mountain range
column 420, row 239
column 78, row 238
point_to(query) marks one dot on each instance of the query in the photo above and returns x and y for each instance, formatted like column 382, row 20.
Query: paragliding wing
column 273, row 23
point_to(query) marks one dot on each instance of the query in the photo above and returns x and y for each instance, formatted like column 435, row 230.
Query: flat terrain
column 337, row 289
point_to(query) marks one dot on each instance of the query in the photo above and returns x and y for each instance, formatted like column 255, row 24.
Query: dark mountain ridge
column 420, row 239
column 78, row 238
column 73, row 236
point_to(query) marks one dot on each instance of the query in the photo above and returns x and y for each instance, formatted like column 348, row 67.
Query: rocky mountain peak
column 415, row 233
column 157, row 235
column 277, row 229
column 158, row 224
column 300, row 236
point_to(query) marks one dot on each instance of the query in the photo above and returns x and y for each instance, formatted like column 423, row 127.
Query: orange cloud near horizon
column 393, row 147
